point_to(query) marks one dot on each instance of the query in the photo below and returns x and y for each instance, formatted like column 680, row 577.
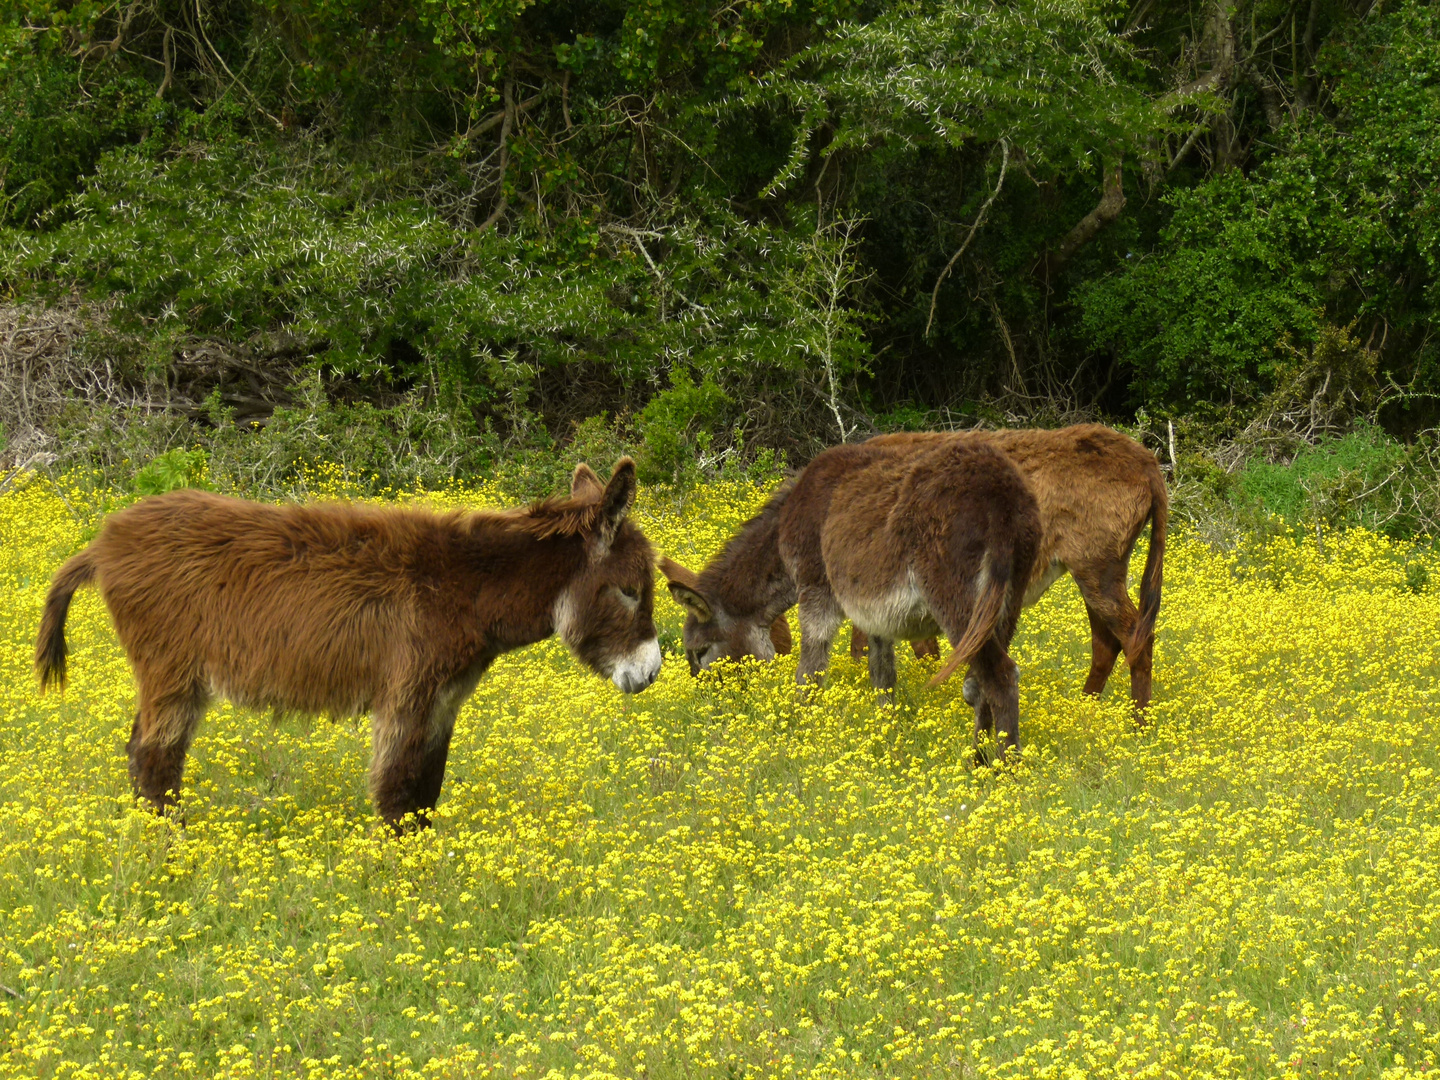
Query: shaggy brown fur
column 1096, row 489
column 347, row 609
column 740, row 595
column 903, row 542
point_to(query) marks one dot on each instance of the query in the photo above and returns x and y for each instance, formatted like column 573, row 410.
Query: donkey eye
column 633, row 595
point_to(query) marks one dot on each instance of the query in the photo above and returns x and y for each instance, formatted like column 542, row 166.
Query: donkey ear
column 617, row 498
column 584, row 484
column 674, row 573
column 685, row 588
column 691, row 601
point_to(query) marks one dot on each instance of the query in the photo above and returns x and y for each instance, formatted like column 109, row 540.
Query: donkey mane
column 558, row 516
column 555, row 516
column 738, row 574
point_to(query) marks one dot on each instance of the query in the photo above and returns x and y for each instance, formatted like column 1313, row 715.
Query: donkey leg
column 858, row 643
column 426, row 792
column 1103, row 590
column 1140, row 675
column 974, row 696
column 410, row 748
column 882, row 668
column 1104, row 651
column 441, row 726
column 999, row 679
column 950, row 602
column 820, row 618
column 159, row 739
column 401, row 750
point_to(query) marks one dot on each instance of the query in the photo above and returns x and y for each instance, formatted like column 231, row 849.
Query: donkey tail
column 50, row 647
column 1153, row 577
column 988, row 609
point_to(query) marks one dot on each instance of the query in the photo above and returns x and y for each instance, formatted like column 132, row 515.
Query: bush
column 53, row 127
column 1364, row 478
column 172, row 470
column 676, row 426
column 1337, row 224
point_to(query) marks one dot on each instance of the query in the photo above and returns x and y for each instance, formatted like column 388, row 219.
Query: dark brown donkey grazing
column 1096, row 490
column 905, row 543
column 346, row 609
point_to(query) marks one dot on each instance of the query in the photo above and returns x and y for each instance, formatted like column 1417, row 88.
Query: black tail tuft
column 50, row 648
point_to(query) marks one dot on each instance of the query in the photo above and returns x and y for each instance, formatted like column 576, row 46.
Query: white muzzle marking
column 637, row 670
column 760, row 646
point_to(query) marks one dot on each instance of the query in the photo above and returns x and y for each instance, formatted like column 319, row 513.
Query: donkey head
column 712, row 632
column 605, row 613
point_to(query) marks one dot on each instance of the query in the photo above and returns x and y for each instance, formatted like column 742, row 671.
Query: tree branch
column 234, row 79
column 979, row 220
column 122, row 33
column 498, row 117
column 505, row 127
column 1195, row 134
column 166, row 50
column 1112, row 201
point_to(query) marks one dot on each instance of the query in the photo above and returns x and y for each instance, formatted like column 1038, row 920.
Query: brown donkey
column 780, row 643
column 1097, row 489
column 904, row 543
column 346, row 609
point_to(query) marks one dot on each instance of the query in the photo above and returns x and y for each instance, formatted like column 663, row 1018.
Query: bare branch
column 234, row 79
column 1195, row 134
column 166, row 50
column 497, row 117
column 974, row 227
column 503, row 204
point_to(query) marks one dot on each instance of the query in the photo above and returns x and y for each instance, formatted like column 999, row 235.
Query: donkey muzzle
column 637, row 670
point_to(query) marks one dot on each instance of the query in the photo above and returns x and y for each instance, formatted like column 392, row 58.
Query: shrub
column 171, row 470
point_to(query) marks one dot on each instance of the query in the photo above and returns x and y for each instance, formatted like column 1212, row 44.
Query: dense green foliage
column 1339, row 222
column 771, row 223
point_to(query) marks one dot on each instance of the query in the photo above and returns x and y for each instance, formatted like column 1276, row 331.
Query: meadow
column 711, row 879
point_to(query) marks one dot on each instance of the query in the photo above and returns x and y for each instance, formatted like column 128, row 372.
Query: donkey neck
column 522, row 578
column 748, row 578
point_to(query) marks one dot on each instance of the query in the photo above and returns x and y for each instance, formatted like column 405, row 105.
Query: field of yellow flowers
column 712, row 880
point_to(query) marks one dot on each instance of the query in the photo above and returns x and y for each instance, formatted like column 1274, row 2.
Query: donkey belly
column 307, row 681
column 1040, row 585
column 867, row 563
column 315, row 658
column 899, row 613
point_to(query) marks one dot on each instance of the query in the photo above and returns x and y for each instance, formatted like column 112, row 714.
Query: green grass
column 711, row 879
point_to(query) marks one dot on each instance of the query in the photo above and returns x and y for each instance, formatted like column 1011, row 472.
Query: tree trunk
column 1112, row 201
